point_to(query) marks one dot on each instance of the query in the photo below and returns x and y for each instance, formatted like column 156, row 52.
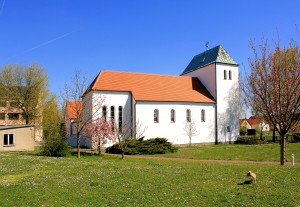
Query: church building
column 205, row 96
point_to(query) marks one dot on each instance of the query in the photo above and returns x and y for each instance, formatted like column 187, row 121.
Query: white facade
column 222, row 81
column 174, row 131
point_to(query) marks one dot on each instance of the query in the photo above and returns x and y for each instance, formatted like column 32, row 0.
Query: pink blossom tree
column 100, row 131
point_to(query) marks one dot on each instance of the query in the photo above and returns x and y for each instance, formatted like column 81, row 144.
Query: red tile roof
column 152, row 87
column 253, row 121
column 73, row 109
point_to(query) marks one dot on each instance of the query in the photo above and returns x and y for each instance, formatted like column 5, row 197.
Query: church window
column 120, row 118
column 156, row 116
column 230, row 75
column 203, row 115
column 188, row 115
column 225, row 75
column 104, row 112
column 112, row 112
column 172, row 115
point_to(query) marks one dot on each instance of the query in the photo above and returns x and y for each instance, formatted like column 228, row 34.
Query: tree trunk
column 99, row 147
column 78, row 145
column 282, row 149
column 122, row 154
column 274, row 134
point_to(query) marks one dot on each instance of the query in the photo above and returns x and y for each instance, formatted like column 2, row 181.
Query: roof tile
column 152, row 87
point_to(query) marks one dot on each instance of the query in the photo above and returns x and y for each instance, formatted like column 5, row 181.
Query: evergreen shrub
column 141, row 147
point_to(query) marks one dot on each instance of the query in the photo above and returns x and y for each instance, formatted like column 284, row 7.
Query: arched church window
column 156, row 116
column 112, row 113
column 230, row 75
column 173, row 115
column 104, row 112
column 188, row 115
column 225, row 75
column 120, row 122
column 203, row 115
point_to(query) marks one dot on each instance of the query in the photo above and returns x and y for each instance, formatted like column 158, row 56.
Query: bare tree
column 83, row 104
column 273, row 86
column 190, row 129
column 128, row 131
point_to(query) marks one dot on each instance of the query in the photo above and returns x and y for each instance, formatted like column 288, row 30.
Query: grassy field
column 30, row 180
column 264, row 152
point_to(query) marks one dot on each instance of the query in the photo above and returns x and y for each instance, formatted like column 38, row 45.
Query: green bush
column 251, row 140
column 140, row 147
column 54, row 146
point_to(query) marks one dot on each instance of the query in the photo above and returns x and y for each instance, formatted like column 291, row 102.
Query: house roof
column 15, row 126
column 152, row 87
column 213, row 55
column 253, row 121
column 73, row 108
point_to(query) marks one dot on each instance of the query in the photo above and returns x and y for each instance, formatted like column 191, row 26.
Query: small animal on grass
column 252, row 176
column 252, row 180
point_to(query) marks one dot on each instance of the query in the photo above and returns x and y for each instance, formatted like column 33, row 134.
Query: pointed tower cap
column 213, row 55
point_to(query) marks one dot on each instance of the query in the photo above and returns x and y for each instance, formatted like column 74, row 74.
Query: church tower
column 219, row 73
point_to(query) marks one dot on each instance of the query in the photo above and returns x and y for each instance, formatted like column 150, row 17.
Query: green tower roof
column 213, row 55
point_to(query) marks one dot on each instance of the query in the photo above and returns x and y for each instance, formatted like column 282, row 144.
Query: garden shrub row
column 251, row 140
column 141, row 147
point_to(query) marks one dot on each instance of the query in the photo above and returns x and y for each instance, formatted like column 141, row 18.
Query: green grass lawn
column 30, row 180
column 264, row 152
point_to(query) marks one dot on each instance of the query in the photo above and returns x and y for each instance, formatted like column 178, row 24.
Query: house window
column 104, row 112
column 156, row 116
column 2, row 116
column 2, row 103
column 13, row 116
column 8, row 139
column 120, row 118
column 112, row 112
column 225, row 75
column 188, row 115
column 203, row 115
column 13, row 104
column 172, row 115
column 228, row 129
column 230, row 75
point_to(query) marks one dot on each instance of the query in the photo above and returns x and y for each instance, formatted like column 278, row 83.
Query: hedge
column 141, row 147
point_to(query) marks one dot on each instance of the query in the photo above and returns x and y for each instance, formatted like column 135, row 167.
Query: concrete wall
column 23, row 139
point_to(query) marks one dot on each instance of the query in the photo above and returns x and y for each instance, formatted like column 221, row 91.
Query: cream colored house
column 17, row 138
column 11, row 115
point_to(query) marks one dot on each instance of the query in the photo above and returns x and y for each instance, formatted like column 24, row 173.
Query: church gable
column 213, row 55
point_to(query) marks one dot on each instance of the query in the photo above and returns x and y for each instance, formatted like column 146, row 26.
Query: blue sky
column 151, row 36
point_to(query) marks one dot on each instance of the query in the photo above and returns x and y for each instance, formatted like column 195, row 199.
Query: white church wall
column 174, row 131
column 227, row 102
column 108, row 99
column 207, row 75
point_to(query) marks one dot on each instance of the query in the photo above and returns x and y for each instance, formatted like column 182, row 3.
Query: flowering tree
column 100, row 132
column 273, row 87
